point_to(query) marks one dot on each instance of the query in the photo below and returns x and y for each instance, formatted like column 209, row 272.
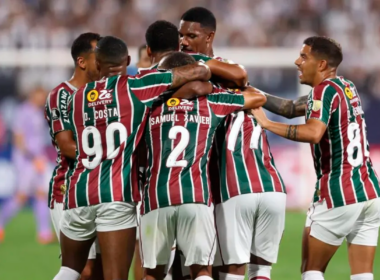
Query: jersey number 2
column 97, row 149
column 254, row 144
column 185, row 138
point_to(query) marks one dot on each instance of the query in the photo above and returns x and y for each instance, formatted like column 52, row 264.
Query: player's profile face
column 307, row 66
column 193, row 37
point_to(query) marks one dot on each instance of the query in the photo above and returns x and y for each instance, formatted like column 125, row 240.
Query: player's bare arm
column 286, row 107
column 311, row 132
column 234, row 73
column 193, row 72
column 66, row 143
column 253, row 98
column 193, row 89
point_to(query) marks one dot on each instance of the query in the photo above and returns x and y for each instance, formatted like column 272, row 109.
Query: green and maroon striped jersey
column 179, row 136
column 246, row 163
column 56, row 116
column 344, row 170
column 108, row 118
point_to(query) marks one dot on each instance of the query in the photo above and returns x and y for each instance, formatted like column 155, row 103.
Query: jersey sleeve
column 322, row 102
column 200, row 57
column 56, row 111
column 223, row 102
column 150, row 86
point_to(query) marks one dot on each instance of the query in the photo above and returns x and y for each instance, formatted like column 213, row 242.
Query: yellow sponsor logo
column 348, row 93
column 317, row 105
column 63, row 189
column 173, row 102
column 92, row 95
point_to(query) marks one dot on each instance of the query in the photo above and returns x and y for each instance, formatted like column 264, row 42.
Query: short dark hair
column 327, row 48
column 176, row 59
column 142, row 47
column 111, row 50
column 162, row 36
column 201, row 15
column 82, row 44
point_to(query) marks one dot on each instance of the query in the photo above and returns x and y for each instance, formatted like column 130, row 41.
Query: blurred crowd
column 244, row 23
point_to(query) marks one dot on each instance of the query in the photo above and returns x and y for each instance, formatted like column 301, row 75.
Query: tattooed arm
column 286, row 107
column 311, row 132
column 192, row 72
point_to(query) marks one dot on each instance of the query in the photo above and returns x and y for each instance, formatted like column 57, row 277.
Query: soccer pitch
column 21, row 257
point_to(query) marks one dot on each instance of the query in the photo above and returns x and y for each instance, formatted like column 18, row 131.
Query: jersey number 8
column 355, row 145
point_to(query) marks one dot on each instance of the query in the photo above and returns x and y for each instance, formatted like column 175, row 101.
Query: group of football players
column 186, row 139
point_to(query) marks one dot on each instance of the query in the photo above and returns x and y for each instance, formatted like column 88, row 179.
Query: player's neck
column 330, row 74
column 209, row 52
column 79, row 78
column 155, row 59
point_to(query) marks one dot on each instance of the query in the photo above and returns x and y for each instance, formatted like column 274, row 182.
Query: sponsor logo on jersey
column 92, row 95
column 63, row 189
column 55, row 114
column 103, row 97
column 183, row 105
column 105, row 94
column 172, row 102
column 348, row 93
column 317, row 105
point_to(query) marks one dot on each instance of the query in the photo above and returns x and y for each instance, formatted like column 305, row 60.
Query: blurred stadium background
column 263, row 35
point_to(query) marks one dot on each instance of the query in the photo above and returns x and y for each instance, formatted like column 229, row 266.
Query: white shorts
column 82, row 223
column 138, row 217
column 191, row 225
column 250, row 224
column 56, row 215
column 359, row 223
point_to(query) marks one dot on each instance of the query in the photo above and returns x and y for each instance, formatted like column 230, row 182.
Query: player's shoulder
column 63, row 87
column 200, row 56
column 324, row 89
column 146, row 70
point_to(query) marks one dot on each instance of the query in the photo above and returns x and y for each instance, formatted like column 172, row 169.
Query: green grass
column 21, row 257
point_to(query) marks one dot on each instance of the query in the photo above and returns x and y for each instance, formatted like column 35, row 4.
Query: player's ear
column 210, row 37
column 148, row 51
column 81, row 62
column 323, row 65
column 128, row 60
column 97, row 65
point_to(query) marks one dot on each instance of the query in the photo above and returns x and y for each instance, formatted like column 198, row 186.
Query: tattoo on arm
column 286, row 107
column 300, row 106
column 291, row 132
column 188, row 73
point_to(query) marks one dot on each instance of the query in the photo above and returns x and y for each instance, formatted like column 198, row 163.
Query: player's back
column 344, row 170
column 246, row 163
column 57, row 118
column 179, row 136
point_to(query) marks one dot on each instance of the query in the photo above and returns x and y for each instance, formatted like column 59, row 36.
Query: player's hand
column 260, row 117
column 39, row 164
column 115, row 70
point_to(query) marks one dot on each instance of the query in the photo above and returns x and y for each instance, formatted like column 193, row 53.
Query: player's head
column 161, row 37
column 175, row 59
column 144, row 60
column 110, row 52
column 82, row 52
column 197, row 29
column 319, row 56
